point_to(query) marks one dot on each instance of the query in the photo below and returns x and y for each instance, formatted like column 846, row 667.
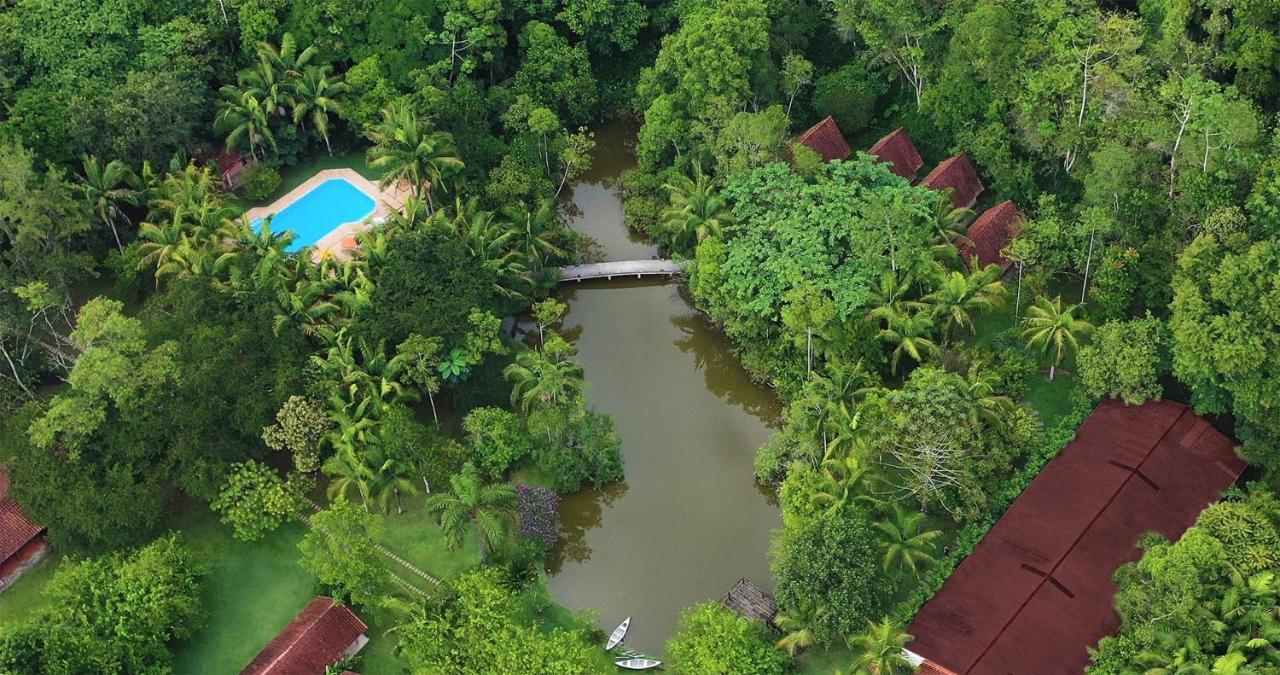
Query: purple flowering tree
column 539, row 519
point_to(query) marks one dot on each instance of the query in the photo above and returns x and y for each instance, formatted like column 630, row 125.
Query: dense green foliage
column 116, row 613
column 712, row 639
column 1205, row 601
column 475, row 630
column 254, row 500
column 1125, row 359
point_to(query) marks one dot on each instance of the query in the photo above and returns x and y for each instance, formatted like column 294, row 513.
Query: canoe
column 618, row 633
column 638, row 664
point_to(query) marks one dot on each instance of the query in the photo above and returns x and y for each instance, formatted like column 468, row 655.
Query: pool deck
column 387, row 201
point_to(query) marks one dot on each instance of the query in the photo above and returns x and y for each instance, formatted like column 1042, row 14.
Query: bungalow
column 958, row 175
column 320, row 636
column 825, row 139
column 1037, row 591
column 22, row 542
column 990, row 233
column 897, row 150
column 230, row 167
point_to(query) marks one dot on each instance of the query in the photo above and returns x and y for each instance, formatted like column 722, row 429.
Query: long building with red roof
column 22, row 542
column 320, row 636
column 990, row 233
column 897, row 150
column 1037, row 592
column 959, row 175
column 825, row 139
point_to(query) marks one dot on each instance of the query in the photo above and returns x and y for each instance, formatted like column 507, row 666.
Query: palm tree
column 490, row 509
column 243, row 118
column 903, row 541
column 797, row 626
column 541, row 379
column 889, row 298
column 1054, row 329
column 286, row 60
column 537, row 231
column 407, row 150
column 843, row 481
column 391, row 478
column 911, row 334
column 106, row 188
column 696, row 212
column 349, row 472
column 981, row 383
column 880, row 649
column 306, row 306
column 317, row 94
column 960, row 296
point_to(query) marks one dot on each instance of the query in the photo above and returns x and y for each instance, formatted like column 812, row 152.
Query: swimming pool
column 320, row 211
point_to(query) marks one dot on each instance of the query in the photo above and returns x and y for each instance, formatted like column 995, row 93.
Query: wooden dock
column 625, row 268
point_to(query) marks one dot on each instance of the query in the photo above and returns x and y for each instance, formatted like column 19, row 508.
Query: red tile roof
column 826, row 140
column 16, row 529
column 958, row 174
column 317, row 638
column 1037, row 591
column 990, row 233
column 897, row 149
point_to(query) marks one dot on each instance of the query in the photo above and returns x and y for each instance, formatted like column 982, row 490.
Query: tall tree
column 107, row 188
column 1055, row 330
column 904, row 543
column 880, row 649
column 406, row 149
column 470, row 503
column 316, row 95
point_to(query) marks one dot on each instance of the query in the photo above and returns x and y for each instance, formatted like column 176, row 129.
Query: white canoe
column 638, row 664
column 618, row 633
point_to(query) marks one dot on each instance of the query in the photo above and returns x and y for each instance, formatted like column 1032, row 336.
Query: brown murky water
column 689, row 520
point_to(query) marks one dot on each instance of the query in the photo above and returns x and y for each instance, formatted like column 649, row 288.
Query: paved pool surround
column 386, row 202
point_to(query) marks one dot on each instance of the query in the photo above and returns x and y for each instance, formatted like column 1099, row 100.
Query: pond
column 689, row 520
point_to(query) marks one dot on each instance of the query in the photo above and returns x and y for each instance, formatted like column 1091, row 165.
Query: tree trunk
column 1088, row 260
column 1052, row 367
column 434, row 416
column 426, row 485
column 115, row 233
column 16, row 377
column 399, row 506
column 1017, row 303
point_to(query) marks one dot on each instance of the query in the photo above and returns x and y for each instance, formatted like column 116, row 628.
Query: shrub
column 254, row 500
column 498, row 438
column 259, row 182
column 849, row 95
column 1124, row 360
column 711, row 639
column 833, row 561
column 539, row 519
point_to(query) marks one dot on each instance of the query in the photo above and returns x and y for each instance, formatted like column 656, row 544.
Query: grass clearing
column 415, row 536
column 251, row 591
column 25, row 597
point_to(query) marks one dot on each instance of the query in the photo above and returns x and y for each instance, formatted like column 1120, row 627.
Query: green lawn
column 252, row 590
column 415, row 537
column 24, row 597
column 293, row 176
column 825, row 660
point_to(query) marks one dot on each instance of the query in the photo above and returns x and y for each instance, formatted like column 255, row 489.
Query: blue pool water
column 328, row 205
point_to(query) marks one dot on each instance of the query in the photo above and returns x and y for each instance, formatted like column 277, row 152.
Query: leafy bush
column 111, row 614
column 1124, row 360
column 712, row 639
column 254, row 500
column 848, row 94
column 258, row 182
column 498, row 439
column 833, row 561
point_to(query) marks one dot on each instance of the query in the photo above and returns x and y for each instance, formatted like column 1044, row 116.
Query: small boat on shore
column 620, row 632
column 638, row 664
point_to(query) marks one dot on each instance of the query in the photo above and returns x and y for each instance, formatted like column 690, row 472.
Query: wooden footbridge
column 625, row 268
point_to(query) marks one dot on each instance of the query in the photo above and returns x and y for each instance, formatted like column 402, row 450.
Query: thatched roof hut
column 749, row 601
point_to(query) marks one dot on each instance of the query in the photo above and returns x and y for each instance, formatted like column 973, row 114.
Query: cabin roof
column 1037, row 591
column 316, row 639
column 958, row 174
column 990, row 233
column 16, row 529
column 899, row 152
column 749, row 601
column 826, row 140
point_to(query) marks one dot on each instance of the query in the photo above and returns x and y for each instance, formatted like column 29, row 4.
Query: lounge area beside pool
column 327, row 210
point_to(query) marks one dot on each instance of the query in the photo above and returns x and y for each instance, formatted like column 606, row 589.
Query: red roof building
column 990, row 233
column 22, row 542
column 1037, row 591
column 958, row 174
column 320, row 636
column 899, row 152
column 230, row 166
column 825, row 139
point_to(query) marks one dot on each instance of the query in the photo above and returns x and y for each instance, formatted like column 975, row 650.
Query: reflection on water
column 689, row 520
